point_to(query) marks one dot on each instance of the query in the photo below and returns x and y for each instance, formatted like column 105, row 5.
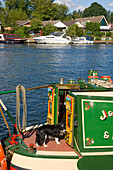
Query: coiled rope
column 19, row 89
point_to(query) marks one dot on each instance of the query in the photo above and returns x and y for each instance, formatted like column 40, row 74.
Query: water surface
column 36, row 65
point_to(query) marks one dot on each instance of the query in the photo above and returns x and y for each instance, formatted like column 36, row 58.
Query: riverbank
column 103, row 42
column 31, row 40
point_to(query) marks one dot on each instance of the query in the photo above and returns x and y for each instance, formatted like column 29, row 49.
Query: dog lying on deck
column 46, row 131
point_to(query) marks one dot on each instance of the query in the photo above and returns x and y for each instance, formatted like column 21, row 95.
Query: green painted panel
column 97, row 118
column 91, row 129
column 96, row 163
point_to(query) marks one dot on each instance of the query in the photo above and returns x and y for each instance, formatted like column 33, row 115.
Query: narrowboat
column 11, row 38
column 87, row 109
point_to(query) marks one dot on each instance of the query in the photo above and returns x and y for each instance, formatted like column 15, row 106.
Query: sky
column 82, row 4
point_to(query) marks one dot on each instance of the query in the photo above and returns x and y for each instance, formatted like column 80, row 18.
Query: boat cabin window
column 58, row 34
column 11, row 36
column 81, row 38
column 50, row 37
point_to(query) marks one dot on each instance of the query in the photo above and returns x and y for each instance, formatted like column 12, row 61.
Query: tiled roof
column 21, row 23
column 83, row 21
column 68, row 23
column 49, row 22
column 96, row 19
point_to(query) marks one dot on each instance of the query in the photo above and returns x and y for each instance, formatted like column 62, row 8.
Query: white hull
column 83, row 42
column 24, row 162
column 52, row 42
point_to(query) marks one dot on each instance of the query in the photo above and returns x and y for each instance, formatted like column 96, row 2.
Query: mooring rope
column 18, row 89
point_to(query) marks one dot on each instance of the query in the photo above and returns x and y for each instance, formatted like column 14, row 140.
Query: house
column 81, row 22
column 24, row 23
column 56, row 23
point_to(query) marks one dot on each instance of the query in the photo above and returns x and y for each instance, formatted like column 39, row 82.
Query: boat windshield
column 58, row 34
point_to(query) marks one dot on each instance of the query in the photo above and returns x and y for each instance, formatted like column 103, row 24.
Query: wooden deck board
column 29, row 137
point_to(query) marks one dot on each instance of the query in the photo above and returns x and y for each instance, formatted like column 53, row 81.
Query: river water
column 36, row 65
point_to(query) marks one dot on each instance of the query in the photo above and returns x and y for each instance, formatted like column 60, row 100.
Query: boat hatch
column 61, row 107
column 69, row 120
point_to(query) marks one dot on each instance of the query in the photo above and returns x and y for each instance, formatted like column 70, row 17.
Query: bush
column 97, row 38
column 74, row 31
column 48, row 29
column 99, row 34
column 22, row 31
column 108, row 34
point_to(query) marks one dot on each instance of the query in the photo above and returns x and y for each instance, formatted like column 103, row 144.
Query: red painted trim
column 93, row 77
column 105, row 76
column 11, row 168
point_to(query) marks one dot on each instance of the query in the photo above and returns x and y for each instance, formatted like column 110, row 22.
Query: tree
column 24, row 5
column 74, row 31
column 60, row 11
column 22, row 31
column 11, row 18
column 94, row 10
column 36, row 24
column 77, row 14
column 93, row 27
column 42, row 9
column 111, row 17
column 2, row 14
column 48, row 29
column 68, row 17
column 46, row 10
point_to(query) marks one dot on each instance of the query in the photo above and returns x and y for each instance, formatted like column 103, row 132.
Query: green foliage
column 94, row 10
column 48, row 29
column 92, row 26
column 77, row 14
column 98, row 38
column 36, row 24
column 68, row 17
column 42, row 9
column 111, row 17
column 14, row 15
column 98, row 34
column 108, row 34
column 74, row 30
column 2, row 14
column 60, row 11
column 22, row 31
column 24, row 5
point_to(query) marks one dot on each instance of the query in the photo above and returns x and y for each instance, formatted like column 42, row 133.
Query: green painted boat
column 86, row 107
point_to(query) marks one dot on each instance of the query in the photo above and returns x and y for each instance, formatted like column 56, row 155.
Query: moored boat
column 11, row 39
column 54, row 38
column 86, row 108
column 83, row 40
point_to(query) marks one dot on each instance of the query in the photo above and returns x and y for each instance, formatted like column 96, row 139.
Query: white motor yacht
column 54, row 38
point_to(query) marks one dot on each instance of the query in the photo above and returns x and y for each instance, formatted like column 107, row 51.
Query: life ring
column 3, row 162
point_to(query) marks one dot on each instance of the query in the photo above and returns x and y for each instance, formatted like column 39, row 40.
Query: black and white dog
column 46, row 131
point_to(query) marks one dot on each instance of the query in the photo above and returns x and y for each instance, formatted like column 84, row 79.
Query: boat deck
column 53, row 148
